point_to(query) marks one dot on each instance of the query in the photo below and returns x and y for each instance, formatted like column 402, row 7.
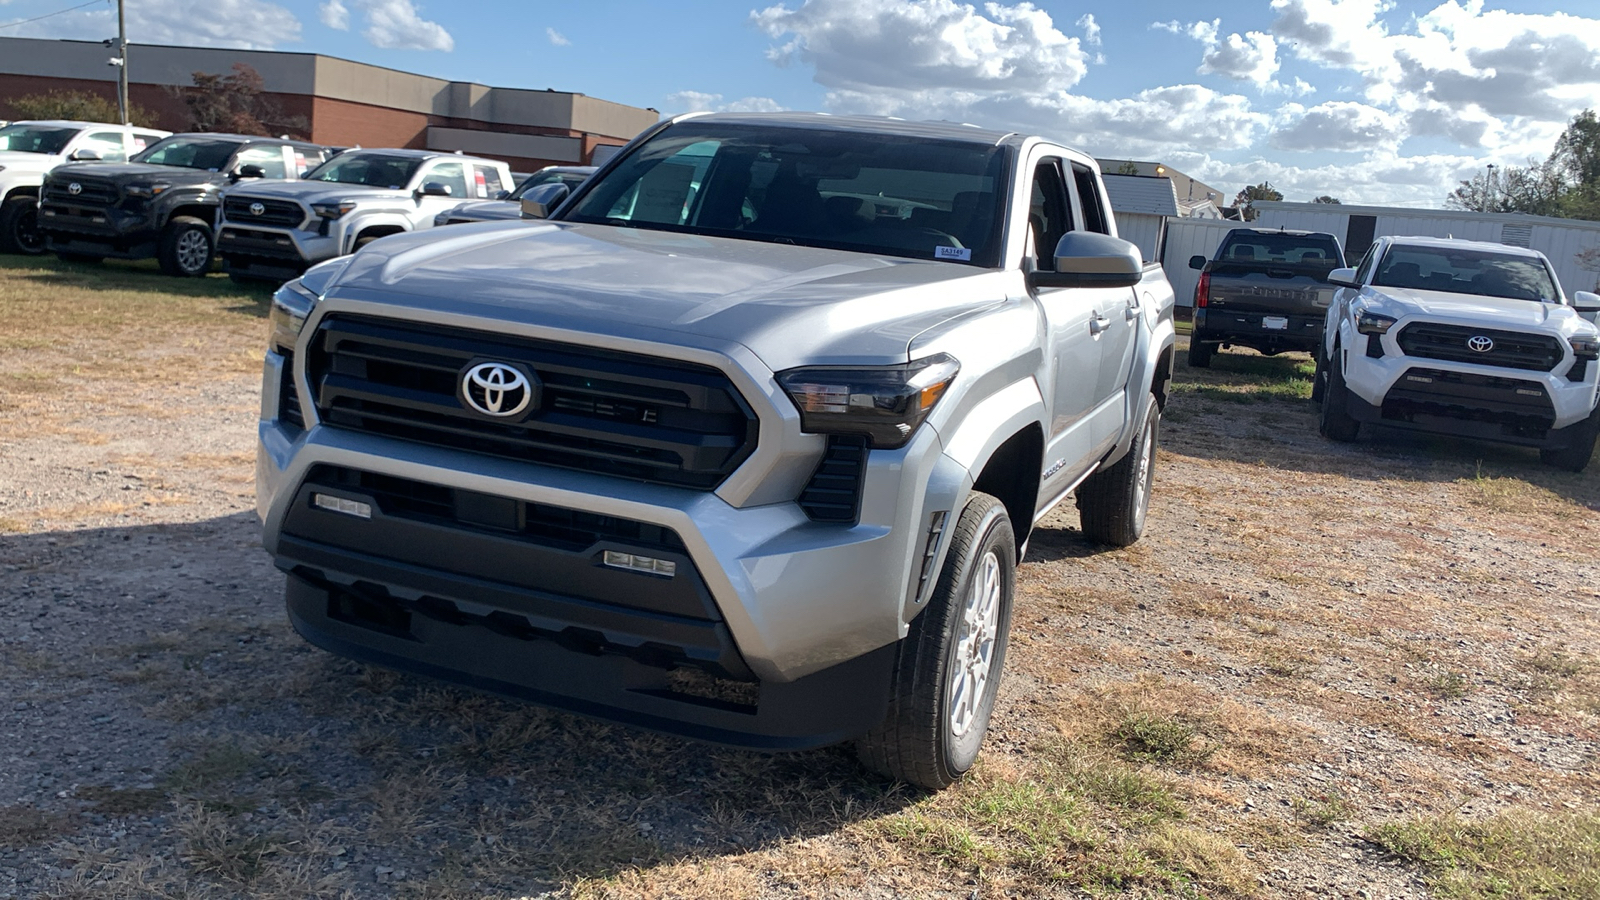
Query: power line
column 58, row 12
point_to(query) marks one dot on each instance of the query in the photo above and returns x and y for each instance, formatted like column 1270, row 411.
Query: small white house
column 1142, row 206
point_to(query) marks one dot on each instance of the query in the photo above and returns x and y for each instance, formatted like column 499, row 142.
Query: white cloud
column 1091, row 28
column 557, row 38
column 1252, row 56
column 247, row 24
column 1340, row 126
column 396, row 25
column 334, row 14
column 698, row 101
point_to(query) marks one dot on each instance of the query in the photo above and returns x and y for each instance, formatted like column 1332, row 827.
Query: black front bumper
column 1485, row 407
column 252, row 253
column 98, row 231
column 513, row 598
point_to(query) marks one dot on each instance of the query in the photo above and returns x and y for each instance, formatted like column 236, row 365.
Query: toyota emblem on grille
column 257, row 209
column 1480, row 343
column 74, row 189
column 496, row 389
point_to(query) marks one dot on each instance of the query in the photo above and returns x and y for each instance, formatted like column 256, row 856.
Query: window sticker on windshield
column 962, row 253
column 479, row 183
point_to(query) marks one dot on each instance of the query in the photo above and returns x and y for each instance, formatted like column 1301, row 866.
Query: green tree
column 1567, row 184
column 1128, row 168
column 1246, row 199
column 77, row 106
column 1326, row 199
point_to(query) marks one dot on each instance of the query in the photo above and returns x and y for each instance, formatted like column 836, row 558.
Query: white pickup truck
column 1464, row 338
column 28, row 150
column 744, row 443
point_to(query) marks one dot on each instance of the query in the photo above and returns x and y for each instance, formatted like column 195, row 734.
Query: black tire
column 1336, row 423
column 1575, row 457
column 1113, row 502
column 1200, row 352
column 187, row 247
column 19, row 227
column 922, row 741
column 1319, row 377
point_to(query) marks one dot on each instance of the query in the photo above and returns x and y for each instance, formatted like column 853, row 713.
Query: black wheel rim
column 25, row 232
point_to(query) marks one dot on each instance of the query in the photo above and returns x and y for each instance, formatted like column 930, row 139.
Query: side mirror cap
column 1197, row 262
column 434, row 189
column 1345, row 277
column 501, row 195
column 1587, row 303
column 540, row 202
column 86, row 154
column 250, row 171
column 1087, row 259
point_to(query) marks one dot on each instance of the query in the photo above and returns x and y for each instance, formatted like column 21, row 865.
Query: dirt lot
column 1353, row 671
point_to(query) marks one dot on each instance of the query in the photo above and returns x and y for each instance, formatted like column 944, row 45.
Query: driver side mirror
column 86, row 154
column 1088, row 259
column 1587, row 303
column 1345, row 277
column 1197, row 262
column 501, row 195
column 540, row 202
column 434, row 189
column 250, row 171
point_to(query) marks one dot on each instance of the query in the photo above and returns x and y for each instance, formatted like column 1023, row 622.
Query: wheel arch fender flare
column 360, row 223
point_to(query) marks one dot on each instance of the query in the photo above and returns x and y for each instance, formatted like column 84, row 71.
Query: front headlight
column 291, row 305
column 145, row 191
column 333, row 210
column 886, row 403
column 1373, row 323
column 1585, row 347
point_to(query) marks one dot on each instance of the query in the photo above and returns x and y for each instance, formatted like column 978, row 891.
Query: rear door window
column 270, row 159
column 109, row 143
column 486, row 182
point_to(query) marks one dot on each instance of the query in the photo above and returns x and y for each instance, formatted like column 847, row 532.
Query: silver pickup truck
column 744, row 443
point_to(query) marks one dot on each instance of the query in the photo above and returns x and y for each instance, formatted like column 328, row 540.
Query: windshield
column 370, row 169
column 570, row 179
column 206, row 154
column 35, row 138
column 1478, row 272
column 890, row 195
column 1295, row 249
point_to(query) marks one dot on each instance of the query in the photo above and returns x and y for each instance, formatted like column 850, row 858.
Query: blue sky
column 1372, row 101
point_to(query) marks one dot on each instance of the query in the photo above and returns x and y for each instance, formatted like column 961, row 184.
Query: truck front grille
column 281, row 213
column 601, row 411
column 91, row 191
column 1511, row 349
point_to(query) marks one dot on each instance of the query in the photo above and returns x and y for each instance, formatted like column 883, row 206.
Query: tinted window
column 1049, row 218
column 1307, row 249
column 270, row 159
column 452, row 176
column 207, row 154
column 1466, row 272
column 370, row 169
column 35, row 138
column 885, row 194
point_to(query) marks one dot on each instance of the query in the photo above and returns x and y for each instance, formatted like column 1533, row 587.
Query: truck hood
column 488, row 210
column 1473, row 309
column 314, row 191
column 138, row 173
column 29, row 162
column 789, row 305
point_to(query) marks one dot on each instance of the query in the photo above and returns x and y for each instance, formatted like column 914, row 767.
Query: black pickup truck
column 1266, row 289
column 162, row 203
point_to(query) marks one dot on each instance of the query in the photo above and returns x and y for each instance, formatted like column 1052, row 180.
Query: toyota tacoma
column 1264, row 289
column 509, row 206
column 273, row 232
column 163, row 203
column 1463, row 338
column 30, row 149
column 743, row 444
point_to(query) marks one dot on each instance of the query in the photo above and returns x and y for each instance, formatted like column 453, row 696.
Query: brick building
column 340, row 102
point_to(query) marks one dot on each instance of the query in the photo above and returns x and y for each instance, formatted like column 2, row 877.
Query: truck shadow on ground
column 1256, row 410
column 114, row 276
column 231, row 717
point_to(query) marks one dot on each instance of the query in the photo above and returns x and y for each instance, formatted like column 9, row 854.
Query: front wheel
column 1576, row 455
column 1319, row 376
column 187, row 246
column 1113, row 502
column 948, row 669
column 1337, row 424
column 19, row 227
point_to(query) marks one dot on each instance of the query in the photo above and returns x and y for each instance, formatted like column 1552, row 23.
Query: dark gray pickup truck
column 1264, row 289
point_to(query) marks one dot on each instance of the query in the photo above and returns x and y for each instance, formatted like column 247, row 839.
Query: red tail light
column 1202, row 290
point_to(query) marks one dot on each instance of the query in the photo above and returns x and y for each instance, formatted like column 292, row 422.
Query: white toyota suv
column 1463, row 338
column 30, row 149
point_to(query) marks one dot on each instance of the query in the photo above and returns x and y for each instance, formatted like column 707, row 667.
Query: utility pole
column 122, row 70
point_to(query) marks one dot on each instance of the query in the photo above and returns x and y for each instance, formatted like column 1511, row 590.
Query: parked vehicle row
column 29, row 150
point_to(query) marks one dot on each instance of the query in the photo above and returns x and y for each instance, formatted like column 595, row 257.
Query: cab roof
column 74, row 123
column 417, row 154
column 947, row 131
column 1440, row 243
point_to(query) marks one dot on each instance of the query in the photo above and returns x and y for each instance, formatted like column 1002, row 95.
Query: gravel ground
column 1345, row 635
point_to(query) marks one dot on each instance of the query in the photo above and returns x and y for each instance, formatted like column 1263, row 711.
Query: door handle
column 1097, row 325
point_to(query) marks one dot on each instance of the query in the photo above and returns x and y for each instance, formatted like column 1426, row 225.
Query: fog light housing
column 341, row 505
column 633, row 562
